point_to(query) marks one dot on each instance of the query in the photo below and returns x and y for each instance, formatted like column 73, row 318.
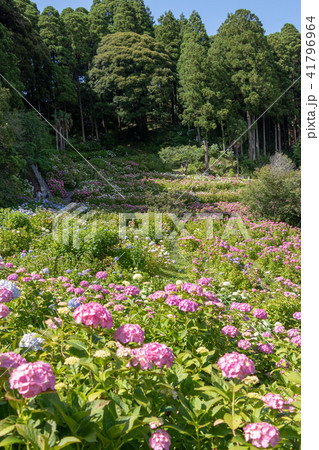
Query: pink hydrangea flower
column 54, row 323
column 118, row 307
column 122, row 351
column 243, row 307
column 229, row 330
column 274, row 401
column 13, row 277
column 292, row 332
column 4, row 311
column 195, row 289
column 204, row 281
column 296, row 340
column 297, row 315
column 279, row 329
column 5, row 295
column 120, row 297
column 96, row 287
column 244, row 344
column 159, row 354
column 72, row 289
column 262, row 434
column 101, row 275
column 11, row 360
column 173, row 300
column 131, row 290
column 282, row 363
column 79, row 291
column 140, row 358
column 157, row 295
column 260, row 314
column 265, row 348
column 188, row 305
column 84, row 283
column 160, row 440
column 118, row 287
column 32, row 378
column 210, row 296
column 93, row 314
column 171, row 288
column 26, row 279
column 129, row 333
column 266, row 334
column 235, row 365
column 8, row 265
column 36, row 276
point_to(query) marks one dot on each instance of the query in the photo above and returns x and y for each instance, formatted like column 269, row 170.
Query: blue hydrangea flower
column 31, row 341
column 73, row 303
column 11, row 286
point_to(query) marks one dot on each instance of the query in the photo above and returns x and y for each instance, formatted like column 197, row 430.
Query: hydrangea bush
column 117, row 344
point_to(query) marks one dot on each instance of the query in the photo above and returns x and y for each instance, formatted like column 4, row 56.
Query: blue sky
column 272, row 13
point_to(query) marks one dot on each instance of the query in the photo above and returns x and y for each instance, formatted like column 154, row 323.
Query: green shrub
column 276, row 192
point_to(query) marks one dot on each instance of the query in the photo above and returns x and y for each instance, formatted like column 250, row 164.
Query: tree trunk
column 231, row 156
column 264, row 136
column 276, row 144
column 279, row 137
column 257, row 142
column 198, row 136
column 295, row 130
column 61, row 139
column 173, row 109
column 254, row 139
column 289, row 136
column 57, row 139
column 250, row 138
column 224, row 146
column 241, row 149
column 237, row 160
column 206, row 154
column 93, row 117
column 81, row 111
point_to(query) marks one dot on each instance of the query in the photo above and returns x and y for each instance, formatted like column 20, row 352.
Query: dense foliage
column 110, row 75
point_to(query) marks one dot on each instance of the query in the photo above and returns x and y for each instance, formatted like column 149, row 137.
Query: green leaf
column 66, row 441
column 294, row 377
column 7, row 425
column 232, row 421
column 180, row 431
column 120, row 402
column 30, row 435
column 10, row 440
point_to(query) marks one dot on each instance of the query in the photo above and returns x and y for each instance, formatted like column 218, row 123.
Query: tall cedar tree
column 195, row 91
column 286, row 46
column 168, row 33
column 76, row 23
column 240, row 52
column 53, row 34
